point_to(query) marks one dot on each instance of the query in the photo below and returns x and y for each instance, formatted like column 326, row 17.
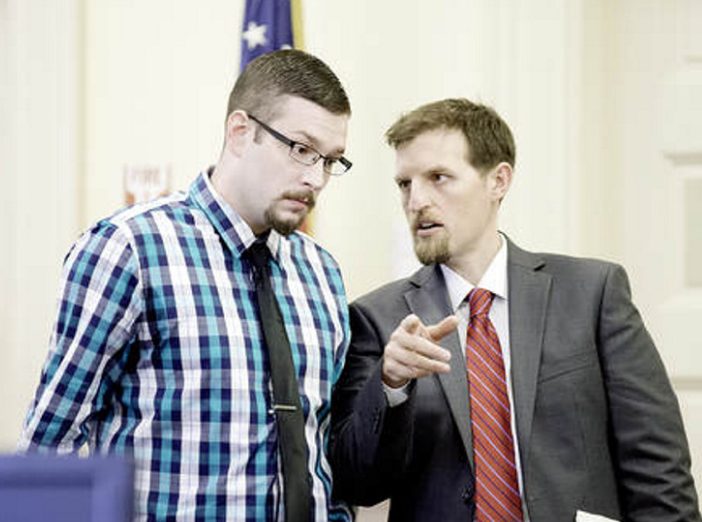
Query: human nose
column 417, row 198
column 315, row 176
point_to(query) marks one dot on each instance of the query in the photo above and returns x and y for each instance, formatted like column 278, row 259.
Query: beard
column 433, row 249
column 287, row 225
column 429, row 250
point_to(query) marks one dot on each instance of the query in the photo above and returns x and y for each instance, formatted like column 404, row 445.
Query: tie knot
column 259, row 254
column 480, row 301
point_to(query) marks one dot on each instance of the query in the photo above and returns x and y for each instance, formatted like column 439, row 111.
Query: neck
column 473, row 263
column 224, row 182
column 220, row 175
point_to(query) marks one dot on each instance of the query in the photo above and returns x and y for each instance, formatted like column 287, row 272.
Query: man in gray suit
column 495, row 383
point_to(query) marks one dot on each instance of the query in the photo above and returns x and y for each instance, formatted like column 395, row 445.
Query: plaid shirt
column 157, row 353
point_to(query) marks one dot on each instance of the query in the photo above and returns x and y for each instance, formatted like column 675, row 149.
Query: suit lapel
column 528, row 301
column 430, row 302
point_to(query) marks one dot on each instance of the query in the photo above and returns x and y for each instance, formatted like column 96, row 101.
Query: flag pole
column 297, row 27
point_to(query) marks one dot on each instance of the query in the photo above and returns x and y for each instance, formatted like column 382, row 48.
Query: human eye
column 330, row 163
column 438, row 176
column 403, row 184
column 304, row 152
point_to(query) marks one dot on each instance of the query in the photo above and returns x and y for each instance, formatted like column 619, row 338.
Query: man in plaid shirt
column 158, row 352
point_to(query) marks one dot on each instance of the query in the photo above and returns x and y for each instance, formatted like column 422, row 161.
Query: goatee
column 285, row 227
column 432, row 250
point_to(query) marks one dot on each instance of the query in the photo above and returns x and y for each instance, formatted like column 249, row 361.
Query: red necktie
column 496, row 489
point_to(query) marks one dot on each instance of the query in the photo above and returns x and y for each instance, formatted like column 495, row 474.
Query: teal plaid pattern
column 157, row 354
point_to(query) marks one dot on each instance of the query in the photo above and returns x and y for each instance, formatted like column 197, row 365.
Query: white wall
column 40, row 166
column 91, row 86
column 395, row 55
column 157, row 77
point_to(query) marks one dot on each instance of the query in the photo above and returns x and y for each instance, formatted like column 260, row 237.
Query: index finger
column 443, row 328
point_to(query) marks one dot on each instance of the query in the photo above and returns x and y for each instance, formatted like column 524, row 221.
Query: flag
column 270, row 25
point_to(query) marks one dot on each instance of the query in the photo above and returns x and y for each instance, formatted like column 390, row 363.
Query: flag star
column 255, row 35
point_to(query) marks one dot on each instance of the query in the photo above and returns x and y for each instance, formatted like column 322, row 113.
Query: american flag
column 268, row 26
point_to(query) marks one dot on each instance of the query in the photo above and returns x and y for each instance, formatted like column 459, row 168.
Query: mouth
column 300, row 200
column 426, row 227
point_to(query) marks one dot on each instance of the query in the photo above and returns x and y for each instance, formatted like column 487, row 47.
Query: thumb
column 412, row 324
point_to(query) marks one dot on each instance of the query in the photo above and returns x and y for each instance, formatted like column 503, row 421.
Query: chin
column 432, row 251
column 284, row 226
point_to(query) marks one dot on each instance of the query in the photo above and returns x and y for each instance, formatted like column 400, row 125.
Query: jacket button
column 376, row 421
column 467, row 494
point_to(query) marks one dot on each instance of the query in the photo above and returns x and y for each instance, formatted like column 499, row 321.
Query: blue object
column 267, row 27
column 41, row 488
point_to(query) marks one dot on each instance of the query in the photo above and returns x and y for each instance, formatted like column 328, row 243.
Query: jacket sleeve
column 650, row 448
column 370, row 441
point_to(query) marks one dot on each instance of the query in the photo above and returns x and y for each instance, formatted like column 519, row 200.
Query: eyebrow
column 436, row 167
column 311, row 140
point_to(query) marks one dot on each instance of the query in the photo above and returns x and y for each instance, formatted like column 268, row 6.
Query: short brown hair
column 489, row 139
column 287, row 72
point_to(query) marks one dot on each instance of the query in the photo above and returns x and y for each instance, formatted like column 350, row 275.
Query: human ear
column 500, row 180
column 238, row 133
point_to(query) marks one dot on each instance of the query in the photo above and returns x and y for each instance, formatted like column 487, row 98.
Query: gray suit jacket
column 598, row 424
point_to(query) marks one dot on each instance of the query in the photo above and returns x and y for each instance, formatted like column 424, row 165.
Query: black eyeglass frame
column 318, row 155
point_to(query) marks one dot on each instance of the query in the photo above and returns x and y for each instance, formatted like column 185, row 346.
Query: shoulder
column 562, row 266
column 381, row 310
column 313, row 264
column 153, row 222
column 124, row 233
column 582, row 266
column 389, row 300
column 151, row 216
column 304, row 247
column 388, row 292
column 581, row 286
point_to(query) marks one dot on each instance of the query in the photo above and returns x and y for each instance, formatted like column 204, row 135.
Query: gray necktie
column 297, row 490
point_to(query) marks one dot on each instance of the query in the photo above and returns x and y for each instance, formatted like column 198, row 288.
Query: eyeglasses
column 306, row 154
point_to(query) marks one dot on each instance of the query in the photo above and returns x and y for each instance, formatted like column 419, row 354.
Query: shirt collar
column 234, row 231
column 494, row 278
